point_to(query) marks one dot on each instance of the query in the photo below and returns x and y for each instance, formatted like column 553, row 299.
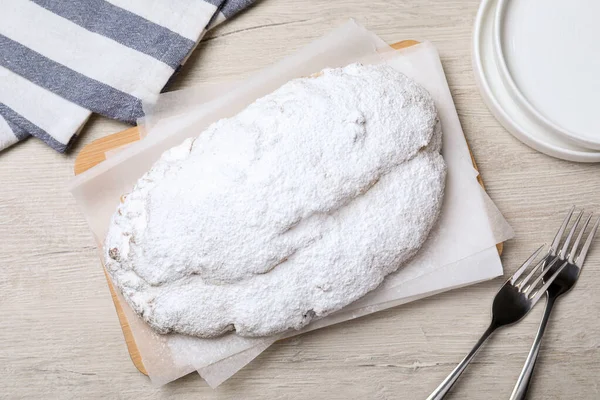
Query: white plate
column 510, row 108
column 549, row 54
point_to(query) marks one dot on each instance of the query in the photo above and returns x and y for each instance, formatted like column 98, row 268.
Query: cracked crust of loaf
column 317, row 259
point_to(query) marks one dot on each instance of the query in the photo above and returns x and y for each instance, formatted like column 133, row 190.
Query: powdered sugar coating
column 292, row 209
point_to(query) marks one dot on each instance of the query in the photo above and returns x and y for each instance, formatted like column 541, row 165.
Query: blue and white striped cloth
column 61, row 60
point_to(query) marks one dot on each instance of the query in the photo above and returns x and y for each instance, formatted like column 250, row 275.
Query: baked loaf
column 297, row 206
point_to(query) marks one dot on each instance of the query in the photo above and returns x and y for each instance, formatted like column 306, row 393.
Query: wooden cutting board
column 94, row 153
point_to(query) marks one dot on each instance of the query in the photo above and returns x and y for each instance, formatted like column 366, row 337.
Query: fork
column 512, row 302
column 561, row 285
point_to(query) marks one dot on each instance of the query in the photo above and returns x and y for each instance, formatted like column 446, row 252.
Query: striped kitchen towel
column 61, row 60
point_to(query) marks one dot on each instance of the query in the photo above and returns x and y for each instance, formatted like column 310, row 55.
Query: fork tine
column 547, row 283
column 530, row 288
column 561, row 231
column 576, row 244
column 563, row 251
column 531, row 273
column 526, row 264
column 586, row 246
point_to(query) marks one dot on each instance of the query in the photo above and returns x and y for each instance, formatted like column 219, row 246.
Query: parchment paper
column 464, row 229
column 421, row 63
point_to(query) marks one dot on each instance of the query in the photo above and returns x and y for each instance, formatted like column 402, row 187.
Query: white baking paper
column 464, row 228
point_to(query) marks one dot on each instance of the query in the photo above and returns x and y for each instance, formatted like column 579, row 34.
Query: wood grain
column 61, row 340
column 94, row 153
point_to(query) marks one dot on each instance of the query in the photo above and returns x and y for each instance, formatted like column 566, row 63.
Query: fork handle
column 522, row 385
column 447, row 384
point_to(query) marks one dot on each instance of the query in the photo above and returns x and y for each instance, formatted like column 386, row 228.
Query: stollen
column 60, row 61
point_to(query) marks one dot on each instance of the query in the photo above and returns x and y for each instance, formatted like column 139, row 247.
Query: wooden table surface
column 59, row 334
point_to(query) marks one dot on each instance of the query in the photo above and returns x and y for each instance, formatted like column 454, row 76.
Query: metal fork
column 572, row 265
column 512, row 302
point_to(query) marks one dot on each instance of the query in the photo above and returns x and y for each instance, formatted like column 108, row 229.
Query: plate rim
column 507, row 77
